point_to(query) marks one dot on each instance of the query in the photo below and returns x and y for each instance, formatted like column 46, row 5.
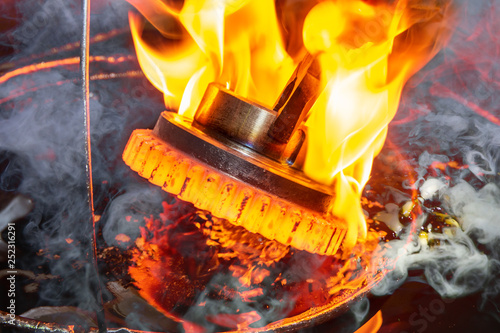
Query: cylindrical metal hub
column 221, row 113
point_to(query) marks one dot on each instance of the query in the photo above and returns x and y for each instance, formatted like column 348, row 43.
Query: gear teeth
column 228, row 198
column 194, row 179
column 209, row 190
column 260, row 207
column 175, row 179
column 291, row 220
column 160, row 173
column 273, row 220
column 241, row 206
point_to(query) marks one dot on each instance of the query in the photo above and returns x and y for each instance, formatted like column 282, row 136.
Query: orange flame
column 366, row 58
column 236, row 43
column 367, row 50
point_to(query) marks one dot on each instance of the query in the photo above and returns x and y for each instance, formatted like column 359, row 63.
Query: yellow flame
column 236, row 43
column 366, row 56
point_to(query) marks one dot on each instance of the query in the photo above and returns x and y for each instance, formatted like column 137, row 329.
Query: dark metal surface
column 244, row 164
column 20, row 324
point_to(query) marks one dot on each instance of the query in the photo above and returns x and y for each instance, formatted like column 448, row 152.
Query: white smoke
column 449, row 114
column 456, row 266
column 449, row 117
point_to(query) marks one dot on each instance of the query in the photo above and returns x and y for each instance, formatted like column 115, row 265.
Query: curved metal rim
column 313, row 316
column 318, row 315
column 244, row 164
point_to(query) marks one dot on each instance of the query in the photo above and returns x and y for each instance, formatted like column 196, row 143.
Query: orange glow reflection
column 372, row 325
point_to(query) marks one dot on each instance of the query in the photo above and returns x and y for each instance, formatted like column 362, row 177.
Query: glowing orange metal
column 231, row 199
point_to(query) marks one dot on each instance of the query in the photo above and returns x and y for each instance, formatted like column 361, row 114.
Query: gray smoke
column 457, row 266
column 42, row 130
column 454, row 104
